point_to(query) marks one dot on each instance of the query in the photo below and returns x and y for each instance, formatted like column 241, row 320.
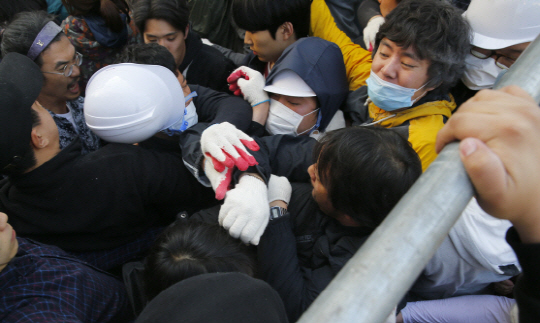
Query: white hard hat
column 498, row 24
column 289, row 83
column 129, row 103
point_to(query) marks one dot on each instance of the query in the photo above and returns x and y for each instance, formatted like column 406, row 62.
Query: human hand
column 245, row 212
column 500, row 149
column 220, row 181
column 279, row 189
column 226, row 146
column 371, row 30
column 249, row 83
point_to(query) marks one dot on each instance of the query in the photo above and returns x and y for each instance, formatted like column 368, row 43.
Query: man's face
column 320, row 194
column 8, row 243
column 161, row 32
column 301, row 105
column 58, row 88
column 264, row 46
column 401, row 66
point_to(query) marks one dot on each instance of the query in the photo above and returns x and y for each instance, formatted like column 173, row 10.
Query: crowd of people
column 152, row 174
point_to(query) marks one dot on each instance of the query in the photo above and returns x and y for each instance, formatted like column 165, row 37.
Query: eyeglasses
column 501, row 61
column 68, row 69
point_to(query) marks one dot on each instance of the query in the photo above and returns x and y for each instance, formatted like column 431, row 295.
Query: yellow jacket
column 357, row 60
column 420, row 124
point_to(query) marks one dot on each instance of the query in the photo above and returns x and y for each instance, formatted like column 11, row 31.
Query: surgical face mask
column 189, row 119
column 480, row 73
column 284, row 121
column 389, row 96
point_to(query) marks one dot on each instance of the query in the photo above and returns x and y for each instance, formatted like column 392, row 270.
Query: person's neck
column 44, row 155
column 53, row 105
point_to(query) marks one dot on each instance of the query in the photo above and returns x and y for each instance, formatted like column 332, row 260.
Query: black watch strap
column 277, row 212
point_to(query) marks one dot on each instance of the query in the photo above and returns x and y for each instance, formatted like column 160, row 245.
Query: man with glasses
column 35, row 35
column 501, row 31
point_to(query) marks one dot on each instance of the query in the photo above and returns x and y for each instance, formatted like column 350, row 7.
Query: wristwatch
column 277, row 212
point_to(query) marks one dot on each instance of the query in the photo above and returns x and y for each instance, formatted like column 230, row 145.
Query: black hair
column 151, row 54
column 20, row 34
column 174, row 12
column 257, row 15
column 9, row 8
column 186, row 249
column 366, row 171
column 437, row 32
column 28, row 159
column 109, row 10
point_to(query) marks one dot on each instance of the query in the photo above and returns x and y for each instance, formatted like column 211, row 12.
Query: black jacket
column 206, row 66
column 101, row 200
column 300, row 255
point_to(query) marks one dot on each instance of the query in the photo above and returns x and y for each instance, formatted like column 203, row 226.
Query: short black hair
column 150, row 54
column 257, row 15
column 437, row 32
column 174, row 12
column 109, row 10
column 189, row 248
column 20, row 34
column 28, row 159
column 366, row 171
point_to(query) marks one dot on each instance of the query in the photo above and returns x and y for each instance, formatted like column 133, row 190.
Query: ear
column 287, row 29
column 38, row 140
column 186, row 32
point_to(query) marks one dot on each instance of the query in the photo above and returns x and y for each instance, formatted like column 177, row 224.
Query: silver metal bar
column 380, row 273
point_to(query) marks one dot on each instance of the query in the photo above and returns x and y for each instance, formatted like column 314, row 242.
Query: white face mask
column 480, row 73
column 284, row 121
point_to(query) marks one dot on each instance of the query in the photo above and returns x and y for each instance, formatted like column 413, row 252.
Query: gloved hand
column 220, row 181
column 226, row 147
column 245, row 212
column 371, row 30
column 279, row 188
column 249, row 83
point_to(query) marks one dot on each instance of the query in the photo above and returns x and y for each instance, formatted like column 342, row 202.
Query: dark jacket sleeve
column 280, row 267
column 527, row 290
column 367, row 10
column 217, row 107
column 285, row 155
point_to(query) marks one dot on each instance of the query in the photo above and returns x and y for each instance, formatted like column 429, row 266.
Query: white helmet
column 129, row 103
column 498, row 24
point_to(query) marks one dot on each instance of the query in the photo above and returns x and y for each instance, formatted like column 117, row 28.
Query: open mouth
column 74, row 87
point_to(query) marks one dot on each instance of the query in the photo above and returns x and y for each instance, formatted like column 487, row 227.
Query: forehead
column 408, row 52
column 58, row 51
column 159, row 27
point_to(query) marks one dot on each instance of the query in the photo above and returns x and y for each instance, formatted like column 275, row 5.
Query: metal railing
column 371, row 284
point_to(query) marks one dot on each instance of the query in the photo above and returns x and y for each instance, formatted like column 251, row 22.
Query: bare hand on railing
column 500, row 149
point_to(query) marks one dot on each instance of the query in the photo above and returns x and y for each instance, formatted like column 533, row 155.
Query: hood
column 104, row 35
column 193, row 46
column 320, row 64
column 431, row 104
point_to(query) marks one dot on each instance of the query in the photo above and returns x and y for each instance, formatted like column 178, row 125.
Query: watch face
column 276, row 212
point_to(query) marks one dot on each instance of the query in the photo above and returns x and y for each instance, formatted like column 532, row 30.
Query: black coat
column 301, row 253
column 102, row 200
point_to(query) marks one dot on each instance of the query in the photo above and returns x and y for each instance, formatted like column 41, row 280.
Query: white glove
column 220, row 181
column 371, row 30
column 279, row 188
column 249, row 83
column 245, row 212
column 226, row 147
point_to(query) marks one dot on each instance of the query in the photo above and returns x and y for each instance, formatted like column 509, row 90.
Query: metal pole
column 380, row 273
